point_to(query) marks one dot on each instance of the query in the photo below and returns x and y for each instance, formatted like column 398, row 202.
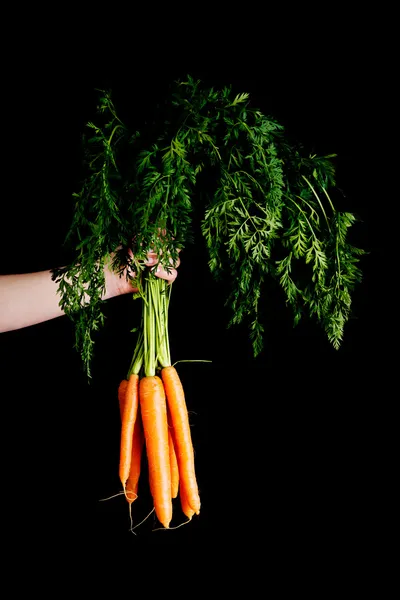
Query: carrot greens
column 266, row 212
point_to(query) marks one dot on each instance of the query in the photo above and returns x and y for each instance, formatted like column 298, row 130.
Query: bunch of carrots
column 154, row 415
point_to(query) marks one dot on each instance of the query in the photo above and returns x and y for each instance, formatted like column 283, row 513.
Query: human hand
column 117, row 285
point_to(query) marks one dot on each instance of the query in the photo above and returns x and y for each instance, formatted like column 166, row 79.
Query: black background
column 292, row 448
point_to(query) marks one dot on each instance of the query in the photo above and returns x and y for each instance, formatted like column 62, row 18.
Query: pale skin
column 30, row 298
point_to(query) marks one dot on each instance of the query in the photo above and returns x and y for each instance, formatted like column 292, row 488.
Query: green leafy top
column 268, row 211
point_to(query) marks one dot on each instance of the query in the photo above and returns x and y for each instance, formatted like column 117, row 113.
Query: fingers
column 159, row 271
column 151, row 260
column 164, row 274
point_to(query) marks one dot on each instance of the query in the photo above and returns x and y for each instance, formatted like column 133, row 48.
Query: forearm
column 32, row 298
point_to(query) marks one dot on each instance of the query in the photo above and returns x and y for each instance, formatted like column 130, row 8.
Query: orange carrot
column 137, row 447
column 121, row 395
column 154, row 416
column 136, row 459
column 128, row 423
column 174, row 465
column 186, row 509
column 182, row 437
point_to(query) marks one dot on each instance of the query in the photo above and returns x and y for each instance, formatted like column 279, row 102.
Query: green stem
column 330, row 201
column 338, row 263
column 313, row 211
column 304, row 215
column 155, row 183
column 160, row 301
column 137, row 359
column 112, row 133
column 155, row 302
column 262, row 190
column 145, row 330
column 165, row 292
column 168, row 290
column 319, row 201
column 190, row 361
column 155, row 325
column 150, row 359
column 165, row 205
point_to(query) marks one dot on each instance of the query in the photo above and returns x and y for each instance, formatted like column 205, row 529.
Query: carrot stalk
column 128, row 423
column 155, row 426
column 182, row 437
